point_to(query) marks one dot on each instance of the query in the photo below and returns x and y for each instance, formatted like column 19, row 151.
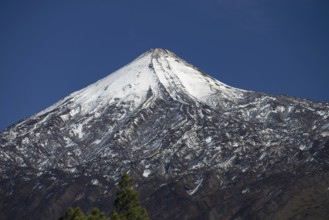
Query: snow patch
column 302, row 147
column 25, row 140
column 146, row 173
column 321, row 113
column 325, row 134
column 95, row 182
column 74, row 111
column 77, row 130
column 246, row 190
column 65, row 117
column 280, row 109
column 208, row 139
column 199, row 184
column 97, row 141
column 262, row 156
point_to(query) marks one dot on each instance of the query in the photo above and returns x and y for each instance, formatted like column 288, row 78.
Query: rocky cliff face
column 197, row 148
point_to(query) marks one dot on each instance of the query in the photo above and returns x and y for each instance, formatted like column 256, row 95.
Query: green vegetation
column 77, row 214
column 127, row 206
column 73, row 214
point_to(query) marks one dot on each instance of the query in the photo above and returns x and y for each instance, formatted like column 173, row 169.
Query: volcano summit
column 197, row 148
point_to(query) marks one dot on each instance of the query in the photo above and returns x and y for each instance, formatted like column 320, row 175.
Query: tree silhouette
column 127, row 205
column 97, row 215
column 73, row 214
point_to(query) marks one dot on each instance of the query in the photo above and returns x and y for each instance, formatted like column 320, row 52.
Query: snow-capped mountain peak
column 189, row 141
column 152, row 73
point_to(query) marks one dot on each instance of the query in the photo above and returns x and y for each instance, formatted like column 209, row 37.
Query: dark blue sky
column 49, row 49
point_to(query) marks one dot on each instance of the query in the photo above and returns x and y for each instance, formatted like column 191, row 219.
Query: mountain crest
column 159, row 52
column 154, row 71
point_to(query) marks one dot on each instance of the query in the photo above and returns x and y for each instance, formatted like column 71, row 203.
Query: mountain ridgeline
column 196, row 147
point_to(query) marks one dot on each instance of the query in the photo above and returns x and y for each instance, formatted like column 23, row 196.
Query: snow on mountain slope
column 151, row 70
column 130, row 83
column 174, row 72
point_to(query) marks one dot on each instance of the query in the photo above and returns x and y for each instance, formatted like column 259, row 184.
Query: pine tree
column 73, row 214
column 127, row 204
column 96, row 215
column 77, row 214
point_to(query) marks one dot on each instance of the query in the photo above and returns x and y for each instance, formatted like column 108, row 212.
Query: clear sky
column 51, row 48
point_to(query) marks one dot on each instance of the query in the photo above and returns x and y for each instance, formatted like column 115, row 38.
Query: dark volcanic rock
column 197, row 148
